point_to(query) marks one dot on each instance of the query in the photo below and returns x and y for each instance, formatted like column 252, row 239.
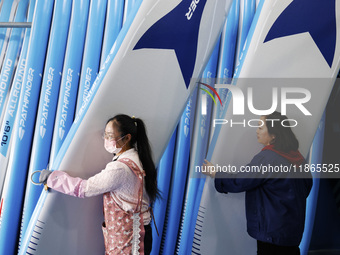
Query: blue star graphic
column 178, row 31
column 317, row 17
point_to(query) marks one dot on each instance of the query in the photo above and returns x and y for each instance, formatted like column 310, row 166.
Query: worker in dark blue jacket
column 275, row 200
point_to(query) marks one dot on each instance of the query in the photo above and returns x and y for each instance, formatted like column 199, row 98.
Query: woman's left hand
column 209, row 169
column 44, row 176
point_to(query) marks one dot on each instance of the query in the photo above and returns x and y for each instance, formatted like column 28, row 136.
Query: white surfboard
column 147, row 74
column 284, row 53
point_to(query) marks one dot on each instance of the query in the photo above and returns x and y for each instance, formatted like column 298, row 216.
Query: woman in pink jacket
column 128, row 183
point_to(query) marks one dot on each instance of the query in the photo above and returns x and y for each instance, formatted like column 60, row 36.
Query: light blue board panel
column 6, row 14
column 199, row 149
column 127, row 8
column 12, row 53
column 44, row 125
column 248, row 15
column 93, row 47
column 71, row 74
column 178, row 178
column 164, row 173
column 227, row 54
column 237, row 71
column 247, row 10
column 12, row 104
column 113, row 25
column 20, row 150
column 315, row 158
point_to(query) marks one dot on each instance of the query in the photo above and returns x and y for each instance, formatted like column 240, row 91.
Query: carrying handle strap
column 38, row 183
column 35, row 183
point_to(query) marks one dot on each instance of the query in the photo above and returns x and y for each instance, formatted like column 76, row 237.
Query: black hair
column 139, row 140
column 284, row 140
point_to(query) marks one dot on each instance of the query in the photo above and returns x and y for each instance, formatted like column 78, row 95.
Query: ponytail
column 139, row 140
column 145, row 156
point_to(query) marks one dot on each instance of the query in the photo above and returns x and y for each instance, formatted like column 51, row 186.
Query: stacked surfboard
column 84, row 61
column 78, row 65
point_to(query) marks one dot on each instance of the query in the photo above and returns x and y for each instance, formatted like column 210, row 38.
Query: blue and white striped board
column 12, row 104
column 164, row 172
column 178, row 178
column 71, row 74
column 7, row 14
column 113, row 25
column 239, row 33
column 227, row 56
column 225, row 66
column 273, row 28
column 12, row 53
column 93, row 46
column 164, row 68
column 40, row 152
column 227, row 61
column 247, row 11
column 249, row 7
column 199, row 149
column 128, row 7
column 24, row 127
column 315, row 157
column 229, row 50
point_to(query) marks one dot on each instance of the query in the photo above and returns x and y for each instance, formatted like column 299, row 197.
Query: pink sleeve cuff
column 62, row 182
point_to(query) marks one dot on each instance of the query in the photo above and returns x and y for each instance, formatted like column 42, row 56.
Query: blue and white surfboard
column 164, row 68
column 12, row 104
column 224, row 93
column 199, row 149
column 164, row 173
column 227, row 65
column 128, row 7
column 178, row 179
column 12, row 54
column 7, row 14
column 113, row 25
column 315, row 157
column 247, row 11
column 71, row 75
column 22, row 139
column 93, row 45
column 249, row 7
column 286, row 47
column 239, row 33
column 227, row 55
column 40, row 152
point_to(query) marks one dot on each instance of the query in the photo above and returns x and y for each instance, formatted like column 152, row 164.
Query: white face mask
column 111, row 146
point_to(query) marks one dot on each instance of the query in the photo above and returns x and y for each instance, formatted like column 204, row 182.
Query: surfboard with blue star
column 291, row 44
column 149, row 73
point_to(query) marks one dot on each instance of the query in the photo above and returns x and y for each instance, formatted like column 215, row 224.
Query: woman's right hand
column 208, row 166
